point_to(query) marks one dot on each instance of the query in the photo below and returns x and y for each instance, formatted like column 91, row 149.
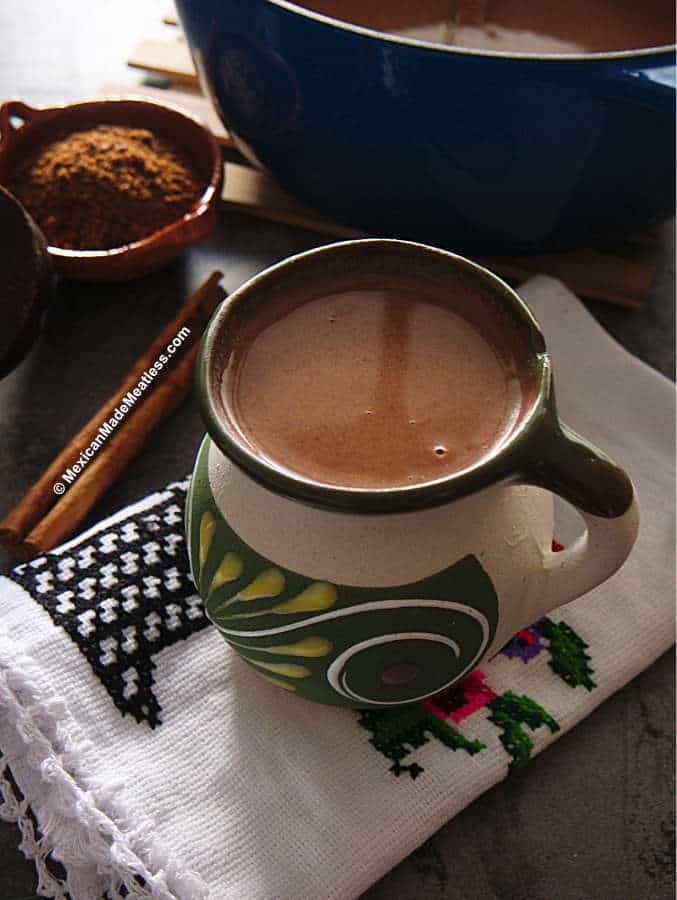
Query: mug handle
column 570, row 466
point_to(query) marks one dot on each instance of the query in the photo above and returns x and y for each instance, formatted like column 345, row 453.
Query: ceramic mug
column 373, row 598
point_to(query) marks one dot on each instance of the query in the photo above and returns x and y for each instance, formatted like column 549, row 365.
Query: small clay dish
column 26, row 282
column 23, row 130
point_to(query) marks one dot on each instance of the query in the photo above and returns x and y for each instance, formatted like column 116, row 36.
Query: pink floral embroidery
column 462, row 700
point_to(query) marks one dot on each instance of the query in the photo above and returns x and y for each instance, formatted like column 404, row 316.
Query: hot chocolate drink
column 373, row 386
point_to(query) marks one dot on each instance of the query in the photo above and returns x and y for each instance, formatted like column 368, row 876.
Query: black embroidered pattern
column 122, row 595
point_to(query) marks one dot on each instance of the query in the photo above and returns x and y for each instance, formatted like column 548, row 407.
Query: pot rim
column 374, row 33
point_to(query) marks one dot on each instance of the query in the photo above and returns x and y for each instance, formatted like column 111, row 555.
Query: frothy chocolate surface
column 370, row 388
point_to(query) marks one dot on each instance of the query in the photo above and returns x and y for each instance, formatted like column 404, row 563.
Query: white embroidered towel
column 156, row 764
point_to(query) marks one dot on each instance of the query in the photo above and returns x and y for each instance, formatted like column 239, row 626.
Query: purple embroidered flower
column 526, row 644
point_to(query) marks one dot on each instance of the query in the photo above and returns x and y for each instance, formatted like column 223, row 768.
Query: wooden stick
column 194, row 103
column 621, row 275
column 256, row 193
column 30, row 510
column 170, row 58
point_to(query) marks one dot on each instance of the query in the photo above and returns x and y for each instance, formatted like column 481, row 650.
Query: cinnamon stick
column 62, row 520
column 33, row 524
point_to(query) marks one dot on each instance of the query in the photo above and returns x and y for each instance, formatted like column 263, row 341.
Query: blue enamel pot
column 475, row 150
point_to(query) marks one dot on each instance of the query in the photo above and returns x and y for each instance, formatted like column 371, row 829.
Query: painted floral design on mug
column 334, row 643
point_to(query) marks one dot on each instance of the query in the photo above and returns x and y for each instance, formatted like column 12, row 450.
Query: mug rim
column 504, row 463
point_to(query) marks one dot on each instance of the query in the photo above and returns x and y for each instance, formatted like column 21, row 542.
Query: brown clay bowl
column 23, row 130
column 26, row 284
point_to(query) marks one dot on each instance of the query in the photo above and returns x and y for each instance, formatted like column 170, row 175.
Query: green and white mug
column 367, row 598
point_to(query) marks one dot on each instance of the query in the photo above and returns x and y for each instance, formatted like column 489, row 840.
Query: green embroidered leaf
column 392, row 729
column 452, row 738
column 567, row 650
column 509, row 712
column 518, row 745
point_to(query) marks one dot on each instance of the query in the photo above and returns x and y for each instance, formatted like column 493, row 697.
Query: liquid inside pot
column 519, row 26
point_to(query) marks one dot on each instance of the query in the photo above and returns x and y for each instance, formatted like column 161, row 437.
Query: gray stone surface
column 592, row 817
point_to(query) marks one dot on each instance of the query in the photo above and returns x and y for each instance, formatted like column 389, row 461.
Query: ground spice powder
column 106, row 187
